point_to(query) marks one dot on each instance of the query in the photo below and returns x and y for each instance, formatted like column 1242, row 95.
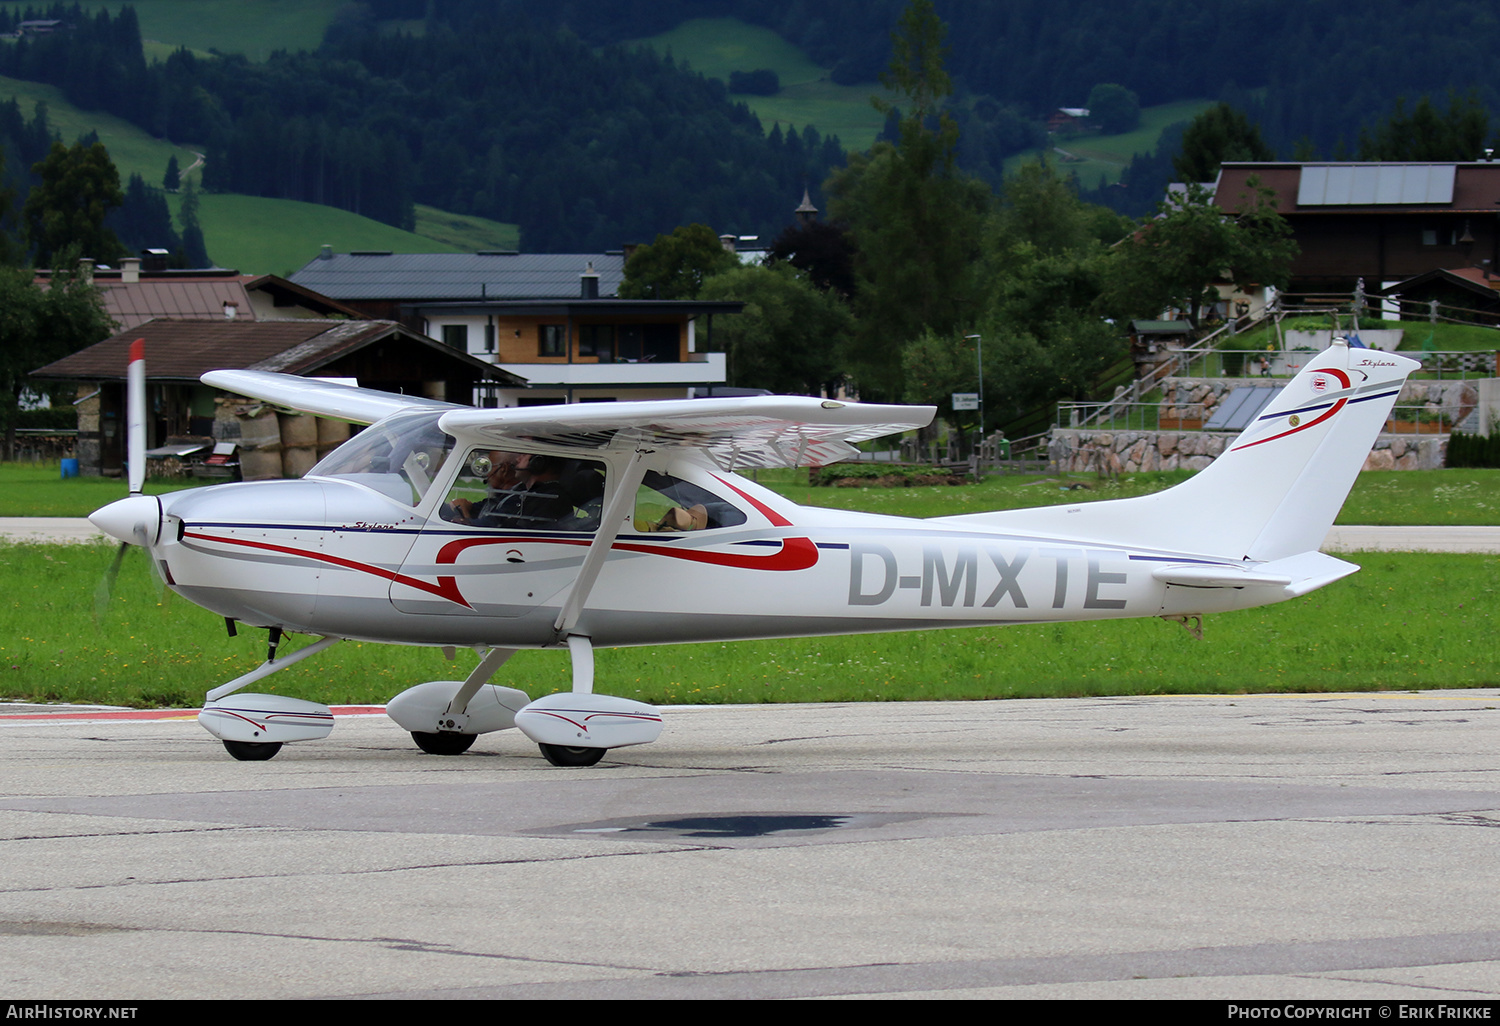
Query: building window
column 597, row 340
column 1439, row 237
column 552, row 340
column 457, row 336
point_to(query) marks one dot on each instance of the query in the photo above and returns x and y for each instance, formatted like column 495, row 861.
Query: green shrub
column 1473, row 450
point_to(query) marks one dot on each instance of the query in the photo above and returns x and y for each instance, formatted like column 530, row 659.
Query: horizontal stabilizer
column 1294, row 575
column 1199, row 576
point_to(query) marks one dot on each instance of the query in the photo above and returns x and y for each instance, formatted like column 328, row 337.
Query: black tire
column 446, row 742
column 252, row 751
column 560, row 755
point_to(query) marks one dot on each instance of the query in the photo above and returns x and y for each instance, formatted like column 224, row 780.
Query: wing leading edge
column 733, row 434
column 322, row 398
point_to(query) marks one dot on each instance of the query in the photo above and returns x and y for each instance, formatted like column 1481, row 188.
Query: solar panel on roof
column 1241, row 406
column 1367, row 185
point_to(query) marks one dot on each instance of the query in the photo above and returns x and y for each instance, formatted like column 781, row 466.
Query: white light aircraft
column 592, row 526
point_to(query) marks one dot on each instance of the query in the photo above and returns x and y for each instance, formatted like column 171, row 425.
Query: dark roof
column 190, row 297
column 178, row 350
column 415, row 276
column 1365, row 187
column 582, row 307
column 1472, row 279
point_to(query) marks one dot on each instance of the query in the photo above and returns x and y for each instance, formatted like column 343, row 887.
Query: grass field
column 717, row 46
column 1406, row 621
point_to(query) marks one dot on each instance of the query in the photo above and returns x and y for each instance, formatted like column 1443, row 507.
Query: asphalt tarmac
column 1235, row 847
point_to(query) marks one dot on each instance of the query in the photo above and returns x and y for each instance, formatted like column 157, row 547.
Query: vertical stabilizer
column 1276, row 489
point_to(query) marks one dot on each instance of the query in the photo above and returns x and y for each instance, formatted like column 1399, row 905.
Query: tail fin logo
column 1320, row 384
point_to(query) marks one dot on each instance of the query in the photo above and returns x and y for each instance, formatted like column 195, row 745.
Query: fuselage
column 348, row 554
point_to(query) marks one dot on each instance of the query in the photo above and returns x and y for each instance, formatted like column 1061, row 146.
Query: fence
column 1250, row 363
column 1160, row 416
column 959, row 454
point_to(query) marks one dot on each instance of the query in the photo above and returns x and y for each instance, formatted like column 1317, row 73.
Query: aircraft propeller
column 132, row 523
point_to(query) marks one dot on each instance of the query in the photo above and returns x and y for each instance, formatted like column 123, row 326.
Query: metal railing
column 1161, row 416
column 1275, row 363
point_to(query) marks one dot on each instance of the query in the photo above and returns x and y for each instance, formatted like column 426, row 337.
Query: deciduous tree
column 41, row 324
column 1174, row 260
column 1116, row 108
column 790, row 337
column 675, row 266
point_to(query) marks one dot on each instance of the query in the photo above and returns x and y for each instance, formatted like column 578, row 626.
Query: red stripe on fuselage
column 794, row 554
column 445, row 588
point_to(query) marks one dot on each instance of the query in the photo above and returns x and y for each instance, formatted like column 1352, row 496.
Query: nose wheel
column 252, row 751
column 446, row 742
column 561, row 755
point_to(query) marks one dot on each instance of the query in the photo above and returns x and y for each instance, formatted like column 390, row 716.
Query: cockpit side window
column 666, row 503
column 400, row 456
column 518, row 491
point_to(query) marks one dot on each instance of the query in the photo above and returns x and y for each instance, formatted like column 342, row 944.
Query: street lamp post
column 979, row 346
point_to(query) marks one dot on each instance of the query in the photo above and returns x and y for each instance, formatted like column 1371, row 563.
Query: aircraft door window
column 666, row 503
column 526, row 491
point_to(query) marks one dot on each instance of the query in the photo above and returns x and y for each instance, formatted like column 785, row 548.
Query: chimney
column 326, row 253
column 589, row 283
column 231, row 309
column 86, row 268
column 130, row 270
column 728, row 241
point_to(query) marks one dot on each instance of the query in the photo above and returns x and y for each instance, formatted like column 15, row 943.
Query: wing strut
column 609, row 530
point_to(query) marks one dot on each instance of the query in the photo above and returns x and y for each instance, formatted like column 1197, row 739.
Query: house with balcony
column 554, row 320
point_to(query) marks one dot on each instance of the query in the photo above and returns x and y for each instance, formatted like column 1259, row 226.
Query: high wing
column 322, row 398
column 733, row 434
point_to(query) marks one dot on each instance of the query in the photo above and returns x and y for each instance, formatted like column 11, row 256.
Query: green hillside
column 717, row 46
column 229, row 26
column 269, row 236
column 133, row 150
column 1102, row 157
column 255, row 234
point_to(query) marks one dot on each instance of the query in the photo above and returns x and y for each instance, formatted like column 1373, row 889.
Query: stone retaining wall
column 1113, row 452
column 1197, row 398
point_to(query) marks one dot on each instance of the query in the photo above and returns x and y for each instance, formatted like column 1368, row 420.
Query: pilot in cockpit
column 504, row 474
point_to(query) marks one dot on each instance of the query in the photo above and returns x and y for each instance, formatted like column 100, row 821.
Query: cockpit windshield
column 399, row 456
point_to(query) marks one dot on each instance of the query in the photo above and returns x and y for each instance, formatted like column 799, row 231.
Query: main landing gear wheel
column 252, row 751
column 447, row 742
column 561, row 755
